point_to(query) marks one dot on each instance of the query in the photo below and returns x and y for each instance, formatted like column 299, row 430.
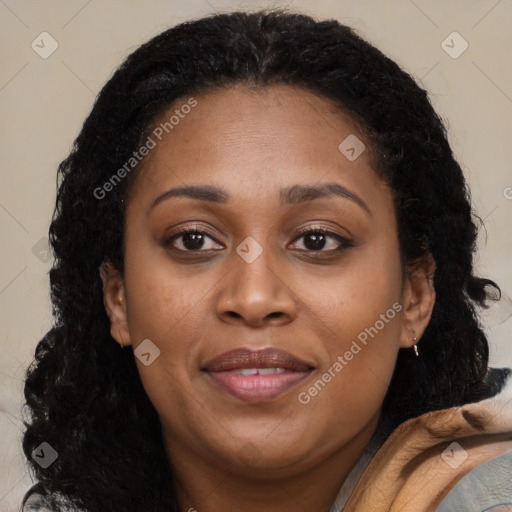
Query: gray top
column 353, row 477
column 36, row 503
column 486, row 486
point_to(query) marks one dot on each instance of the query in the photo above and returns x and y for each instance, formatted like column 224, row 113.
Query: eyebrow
column 302, row 193
column 293, row 195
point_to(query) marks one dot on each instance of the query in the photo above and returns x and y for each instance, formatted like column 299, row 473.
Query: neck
column 205, row 487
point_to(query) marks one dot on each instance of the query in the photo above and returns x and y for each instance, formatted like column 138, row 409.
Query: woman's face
column 315, row 320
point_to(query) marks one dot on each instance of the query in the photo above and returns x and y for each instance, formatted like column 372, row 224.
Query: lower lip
column 257, row 388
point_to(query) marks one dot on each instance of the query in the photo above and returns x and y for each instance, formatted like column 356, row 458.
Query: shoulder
column 425, row 457
column 36, row 503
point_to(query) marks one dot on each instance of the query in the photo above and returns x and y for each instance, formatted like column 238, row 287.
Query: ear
column 114, row 299
column 419, row 297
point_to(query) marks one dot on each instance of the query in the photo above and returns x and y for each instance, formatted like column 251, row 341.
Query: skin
column 277, row 455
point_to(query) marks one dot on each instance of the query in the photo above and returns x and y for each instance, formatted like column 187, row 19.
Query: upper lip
column 245, row 358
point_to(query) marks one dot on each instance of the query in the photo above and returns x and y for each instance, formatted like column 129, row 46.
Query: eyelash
column 344, row 243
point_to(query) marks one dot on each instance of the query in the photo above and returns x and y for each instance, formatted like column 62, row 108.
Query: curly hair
column 83, row 390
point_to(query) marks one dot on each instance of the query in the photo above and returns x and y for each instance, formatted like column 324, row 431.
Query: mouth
column 256, row 376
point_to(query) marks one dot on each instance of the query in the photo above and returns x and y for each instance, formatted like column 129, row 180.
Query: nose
column 255, row 294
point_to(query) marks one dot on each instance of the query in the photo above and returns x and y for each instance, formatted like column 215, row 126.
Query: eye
column 322, row 240
column 314, row 240
column 189, row 240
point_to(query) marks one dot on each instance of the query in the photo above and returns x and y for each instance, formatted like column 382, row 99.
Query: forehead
column 263, row 139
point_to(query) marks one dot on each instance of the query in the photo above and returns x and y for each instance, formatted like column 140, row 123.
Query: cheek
column 347, row 303
column 358, row 317
column 161, row 301
column 167, row 311
column 350, row 387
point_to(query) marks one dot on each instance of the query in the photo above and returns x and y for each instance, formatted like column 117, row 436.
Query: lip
column 224, row 372
column 266, row 358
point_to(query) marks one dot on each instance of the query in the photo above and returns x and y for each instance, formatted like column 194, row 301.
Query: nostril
column 234, row 314
column 276, row 314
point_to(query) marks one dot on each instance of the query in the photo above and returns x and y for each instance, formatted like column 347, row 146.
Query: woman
column 263, row 284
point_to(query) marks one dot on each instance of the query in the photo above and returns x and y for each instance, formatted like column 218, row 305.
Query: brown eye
column 322, row 240
column 192, row 240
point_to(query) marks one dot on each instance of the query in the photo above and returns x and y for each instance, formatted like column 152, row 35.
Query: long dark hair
column 83, row 389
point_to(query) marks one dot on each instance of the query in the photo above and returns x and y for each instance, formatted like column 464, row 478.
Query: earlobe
column 114, row 299
column 418, row 301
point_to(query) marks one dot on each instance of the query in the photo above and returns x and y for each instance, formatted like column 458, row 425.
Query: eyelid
column 318, row 228
column 191, row 227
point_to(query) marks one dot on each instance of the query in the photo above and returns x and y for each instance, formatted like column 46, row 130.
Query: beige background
column 45, row 101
